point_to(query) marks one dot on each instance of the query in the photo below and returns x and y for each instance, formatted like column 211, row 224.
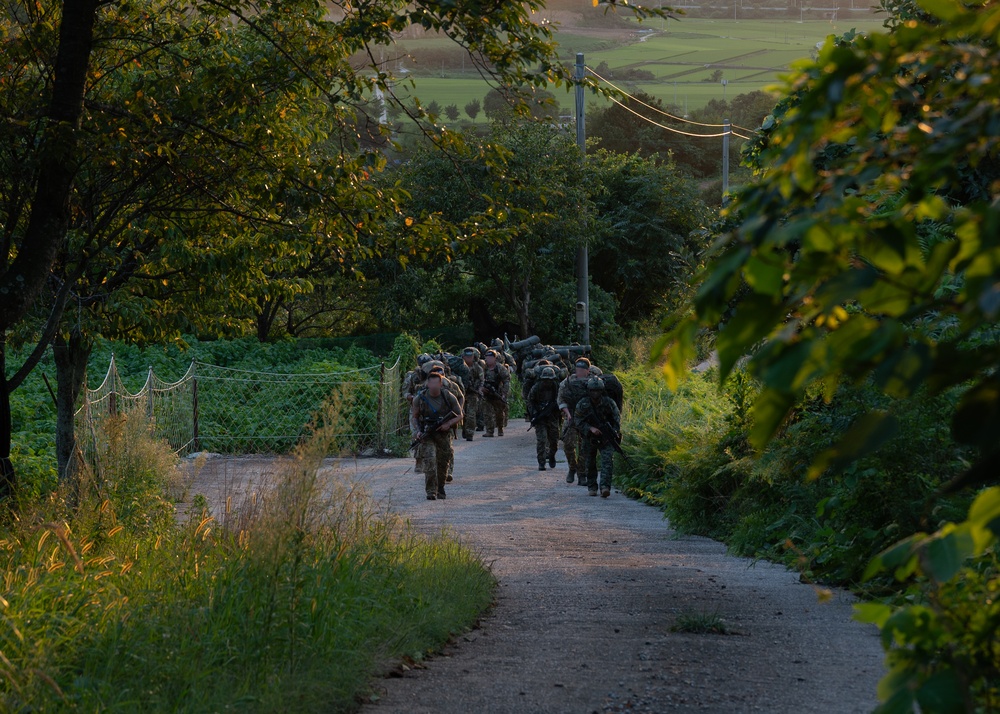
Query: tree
column 103, row 51
column 869, row 252
column 645, row 250
column 452, row 112
column 472, row 109
column 534, row 209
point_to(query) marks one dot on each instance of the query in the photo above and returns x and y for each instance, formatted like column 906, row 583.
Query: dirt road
column 589, row 590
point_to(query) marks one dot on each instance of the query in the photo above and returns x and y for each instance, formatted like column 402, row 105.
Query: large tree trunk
column 22, row 279
column 8, row 479
column 71, row 358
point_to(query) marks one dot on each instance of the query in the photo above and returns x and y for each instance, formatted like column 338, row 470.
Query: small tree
column 473, row 108
column 451, row 111
column 434, row 109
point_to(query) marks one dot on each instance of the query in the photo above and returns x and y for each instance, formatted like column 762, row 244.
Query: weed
column 701, row 623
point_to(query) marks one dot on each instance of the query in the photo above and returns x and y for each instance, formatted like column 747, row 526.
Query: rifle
column 612, row 436
column 490, row 392
column 550, row 408
column 427, row 426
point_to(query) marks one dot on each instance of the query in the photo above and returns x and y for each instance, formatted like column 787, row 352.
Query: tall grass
column 289, row 601
column 690, row 456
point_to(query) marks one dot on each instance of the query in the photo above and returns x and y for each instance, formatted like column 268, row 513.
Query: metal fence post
column 194, row 407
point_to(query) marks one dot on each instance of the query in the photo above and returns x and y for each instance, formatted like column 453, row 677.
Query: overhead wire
column 668, row 114
column 672, row 129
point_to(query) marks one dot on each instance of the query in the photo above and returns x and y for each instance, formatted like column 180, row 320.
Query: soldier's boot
column 552, row 460
column 499, row 431
column 541, row 465
column 488, row 434
column 592, row 490
column 605, row 492
column 570, row 476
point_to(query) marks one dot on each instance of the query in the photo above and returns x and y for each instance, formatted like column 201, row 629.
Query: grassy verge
column 690, row 456
column 290, row 602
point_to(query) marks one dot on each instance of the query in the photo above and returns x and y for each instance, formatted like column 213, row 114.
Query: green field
column 682, row 56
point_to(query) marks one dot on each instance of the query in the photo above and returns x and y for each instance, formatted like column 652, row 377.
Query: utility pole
column 582, row 258
column 725, row 158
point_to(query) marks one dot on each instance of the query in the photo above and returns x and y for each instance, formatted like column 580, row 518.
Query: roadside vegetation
column 291, row 600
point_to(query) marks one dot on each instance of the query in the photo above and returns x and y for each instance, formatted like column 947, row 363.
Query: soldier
column 598, row 419
column 571, row 391
column 453, row 386
column 413, row 382
column 473, row 383
column 543, row 406
column 432, row 415
column 496, row 387
column 611, row 385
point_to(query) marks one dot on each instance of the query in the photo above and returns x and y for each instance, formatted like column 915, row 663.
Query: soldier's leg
column 445, row 456
column 471, row 407
column 590, row 458
column 607, row 465
column 428, row 456
column 551, row 428
column 481, row 415
column 541, row 445
column 489, row 416
column 571, row 451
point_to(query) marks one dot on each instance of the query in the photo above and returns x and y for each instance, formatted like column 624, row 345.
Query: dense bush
column 691, row 456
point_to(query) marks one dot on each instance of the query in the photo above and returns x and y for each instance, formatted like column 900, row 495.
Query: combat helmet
column 596, row 371
column 548, row 373
column 423, row 359
column 595, row 384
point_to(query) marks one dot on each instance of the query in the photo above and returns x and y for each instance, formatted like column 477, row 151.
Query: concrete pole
column 725, row 158
column 582, row 258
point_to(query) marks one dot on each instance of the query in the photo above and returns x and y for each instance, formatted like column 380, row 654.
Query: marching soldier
column 571, row 391
column 473, row 383
column 543, row 407
column 612, row 386
column 598, row 419
column 432, row 415
column 496, row 387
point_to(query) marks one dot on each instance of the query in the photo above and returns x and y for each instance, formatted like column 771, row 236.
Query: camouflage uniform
column 473, row 383
column 612, row 386
column 497, row 379
column 435, row 449
column 544, row 398
column 593, row 410
column 571, row 391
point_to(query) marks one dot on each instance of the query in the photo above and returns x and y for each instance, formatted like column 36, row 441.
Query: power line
column 668, row 114
column 672, row 129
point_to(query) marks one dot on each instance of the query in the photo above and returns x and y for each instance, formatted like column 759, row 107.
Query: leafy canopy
column 870, row 246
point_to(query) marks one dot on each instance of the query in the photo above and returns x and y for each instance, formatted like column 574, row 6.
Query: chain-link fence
column 232, row 411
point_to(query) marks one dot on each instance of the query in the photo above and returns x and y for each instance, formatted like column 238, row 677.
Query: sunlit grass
column 288, row 602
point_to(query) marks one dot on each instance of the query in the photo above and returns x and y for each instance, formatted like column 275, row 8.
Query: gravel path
column 589, row 590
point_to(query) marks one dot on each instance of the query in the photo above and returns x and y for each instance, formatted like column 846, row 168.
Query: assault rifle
column 549, row 409
column 426, row 427
column 490, row 392
column 612, row 436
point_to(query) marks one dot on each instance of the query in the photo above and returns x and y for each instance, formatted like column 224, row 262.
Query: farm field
column 681, row 55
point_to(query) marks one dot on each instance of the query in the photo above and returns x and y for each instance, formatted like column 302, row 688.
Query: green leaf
column 874, row 613
column 985, row 510
column 942, row 693
column 765, row 274
column 943, row 556
column 866, row 434
column 755, row 317
column 769, row 411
